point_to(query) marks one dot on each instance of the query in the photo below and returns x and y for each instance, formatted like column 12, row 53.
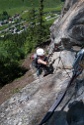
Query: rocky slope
column 28, row 106
column 68, row 30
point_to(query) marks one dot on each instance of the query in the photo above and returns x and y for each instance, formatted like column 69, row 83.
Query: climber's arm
column 40, row 61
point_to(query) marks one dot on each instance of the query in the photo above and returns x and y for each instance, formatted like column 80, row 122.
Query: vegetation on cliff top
column 15, row 47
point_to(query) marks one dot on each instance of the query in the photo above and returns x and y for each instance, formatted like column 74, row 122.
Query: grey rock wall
column 68, row 30
column 29, row 106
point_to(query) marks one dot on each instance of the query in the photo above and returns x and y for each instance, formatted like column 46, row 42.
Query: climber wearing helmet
column 42, row 62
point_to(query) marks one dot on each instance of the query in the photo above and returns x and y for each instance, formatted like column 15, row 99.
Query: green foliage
column 30, row 43
column 19, row 39
column 32, row 17
column 40, row 14
column 41, row 34
column 9, row 4
column 8, row 51
column 37, row 30
column 9, row 61
column 4, row 15
column 15, row 47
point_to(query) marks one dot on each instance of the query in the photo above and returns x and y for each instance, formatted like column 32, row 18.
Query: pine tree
column 40, row 15
column 40, row 27
column 32, row 16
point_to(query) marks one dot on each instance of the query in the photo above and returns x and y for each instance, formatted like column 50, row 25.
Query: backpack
column 34, row 61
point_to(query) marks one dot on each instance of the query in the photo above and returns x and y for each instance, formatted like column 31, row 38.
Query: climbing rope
column 62, row 95
column 57, row 102
column 77, row 71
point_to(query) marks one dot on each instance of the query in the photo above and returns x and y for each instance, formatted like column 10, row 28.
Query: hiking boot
column 39, row 71
column 46, row 73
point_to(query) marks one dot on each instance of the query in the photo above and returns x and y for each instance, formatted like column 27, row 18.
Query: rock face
column 68, row 30
column 29, row 106
column 63, row 59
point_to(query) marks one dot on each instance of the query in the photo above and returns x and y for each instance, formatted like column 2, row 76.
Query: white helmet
column 40, row 52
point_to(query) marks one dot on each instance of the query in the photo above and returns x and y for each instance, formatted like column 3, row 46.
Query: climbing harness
column 62, row 95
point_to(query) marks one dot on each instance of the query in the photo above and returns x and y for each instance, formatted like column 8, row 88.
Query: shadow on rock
column 74, row 116
column 58, row 118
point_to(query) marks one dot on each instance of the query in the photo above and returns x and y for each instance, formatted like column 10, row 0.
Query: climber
column 78, row 65
column 40, row 62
